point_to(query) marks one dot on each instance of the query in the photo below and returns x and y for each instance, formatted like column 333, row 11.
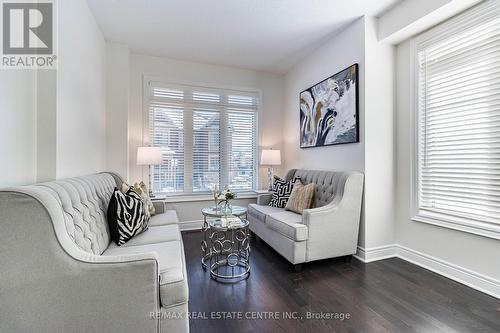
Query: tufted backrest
column 84, row 201
column 328, row 183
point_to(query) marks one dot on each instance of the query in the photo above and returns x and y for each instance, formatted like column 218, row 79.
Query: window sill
column 199, row 197
column 479, row 228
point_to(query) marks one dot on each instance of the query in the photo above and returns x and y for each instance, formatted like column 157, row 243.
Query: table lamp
column 149, row 156
column 269, row 158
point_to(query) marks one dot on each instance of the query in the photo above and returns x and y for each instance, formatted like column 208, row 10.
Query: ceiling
column 265, row 35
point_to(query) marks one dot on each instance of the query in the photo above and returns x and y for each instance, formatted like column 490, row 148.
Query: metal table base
column 225, row 251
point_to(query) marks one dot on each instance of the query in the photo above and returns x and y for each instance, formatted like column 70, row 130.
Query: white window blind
column 206, row 149
column 208, row 137
column 241, row 145
column 167, row 132
column 458, row 121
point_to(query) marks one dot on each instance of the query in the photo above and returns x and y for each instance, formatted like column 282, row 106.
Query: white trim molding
column 480, row 282
column 200, row 197
column 431, row 201
column 376, row 253
column 469, row 225
column 483, row 283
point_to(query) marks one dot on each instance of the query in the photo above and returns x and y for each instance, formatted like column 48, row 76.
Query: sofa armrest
column 51, row 284
column 124, row 288
column 159, row 206
column 333, row 229
column 264, row 199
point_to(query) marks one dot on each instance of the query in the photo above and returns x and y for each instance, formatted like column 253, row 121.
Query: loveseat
column 60, row 272
column 329, row 229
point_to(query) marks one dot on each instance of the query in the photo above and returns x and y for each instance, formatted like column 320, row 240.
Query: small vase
column 227, row 207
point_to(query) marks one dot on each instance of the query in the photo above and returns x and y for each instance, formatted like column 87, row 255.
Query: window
column 457, row 123
column 208, row 137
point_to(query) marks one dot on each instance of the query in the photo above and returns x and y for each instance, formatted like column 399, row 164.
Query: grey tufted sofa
column 60, row 272
column 329, row 229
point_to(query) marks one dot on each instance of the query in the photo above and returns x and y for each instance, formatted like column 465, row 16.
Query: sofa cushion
column 155, row 234
column 259, row 212
column 171, row 266
column 289, row 224
column 169, row 217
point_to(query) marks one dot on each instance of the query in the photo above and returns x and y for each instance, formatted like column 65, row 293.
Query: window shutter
column 459, row 120
column 206, row 149
column 208, row 136
column 167, row 132
column 241, row 148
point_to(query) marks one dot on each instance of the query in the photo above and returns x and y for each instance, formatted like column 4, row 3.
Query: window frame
column 146, row 139
column 461, row 22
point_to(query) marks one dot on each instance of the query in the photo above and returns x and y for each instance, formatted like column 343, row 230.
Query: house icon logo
column 28, row 34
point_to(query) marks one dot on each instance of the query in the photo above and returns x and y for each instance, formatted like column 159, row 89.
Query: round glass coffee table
column 229, row 244
column 215, row 212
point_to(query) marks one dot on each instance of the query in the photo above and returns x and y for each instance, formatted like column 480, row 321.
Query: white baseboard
column 485, row 284
column 190, row 225
column 376, row 253
column 360, row 254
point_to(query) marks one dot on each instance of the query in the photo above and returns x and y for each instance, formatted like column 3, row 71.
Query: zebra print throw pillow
column 281, row 191
column 126, row 216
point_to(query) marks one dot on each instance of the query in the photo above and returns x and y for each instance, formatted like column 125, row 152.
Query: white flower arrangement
column 224, row 196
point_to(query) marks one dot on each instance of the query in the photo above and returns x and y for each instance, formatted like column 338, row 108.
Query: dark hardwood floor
column 391, row 295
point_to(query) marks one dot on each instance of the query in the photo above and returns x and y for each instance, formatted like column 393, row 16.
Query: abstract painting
column 329, row 110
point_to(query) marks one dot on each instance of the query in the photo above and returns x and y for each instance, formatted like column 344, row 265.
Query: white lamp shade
column 148, row 155
column 270, row 157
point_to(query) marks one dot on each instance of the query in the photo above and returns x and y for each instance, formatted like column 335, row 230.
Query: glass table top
column 219, row 211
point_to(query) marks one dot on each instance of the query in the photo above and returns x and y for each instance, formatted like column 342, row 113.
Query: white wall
column 270, row 85
column 342, row 50
column 475, row 253
column 53, row 123
column 374, row 154
column 17, row 127
column 46, row 125
column 81, row 92
column 117, row 91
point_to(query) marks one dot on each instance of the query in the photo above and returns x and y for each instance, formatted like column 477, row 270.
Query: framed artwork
column 329, row 110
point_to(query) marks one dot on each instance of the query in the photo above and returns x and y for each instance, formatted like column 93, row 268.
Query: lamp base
column 270, row 176
column 151, row 195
